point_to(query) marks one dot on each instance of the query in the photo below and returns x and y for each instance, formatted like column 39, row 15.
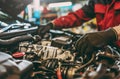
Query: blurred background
column 43, row 11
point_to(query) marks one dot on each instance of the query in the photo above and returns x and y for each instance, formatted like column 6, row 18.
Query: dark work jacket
column 107, row 13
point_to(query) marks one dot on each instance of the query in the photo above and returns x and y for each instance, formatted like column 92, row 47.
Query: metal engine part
column 45, row 52
column 53, row 58
column 58, row 63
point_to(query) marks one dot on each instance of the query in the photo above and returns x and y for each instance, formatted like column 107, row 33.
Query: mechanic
column 107, row 13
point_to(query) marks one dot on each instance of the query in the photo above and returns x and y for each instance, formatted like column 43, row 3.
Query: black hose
column 15, row 40
column 7, row 35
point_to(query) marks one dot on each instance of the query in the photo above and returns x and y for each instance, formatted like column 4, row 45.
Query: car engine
column 25, row 55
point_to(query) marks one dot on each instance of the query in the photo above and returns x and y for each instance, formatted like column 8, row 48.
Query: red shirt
column 107, row 13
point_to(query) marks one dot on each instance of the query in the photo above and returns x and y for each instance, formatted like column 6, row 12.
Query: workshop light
column 60, row 4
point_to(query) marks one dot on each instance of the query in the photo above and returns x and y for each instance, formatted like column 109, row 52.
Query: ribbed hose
column 16, row 40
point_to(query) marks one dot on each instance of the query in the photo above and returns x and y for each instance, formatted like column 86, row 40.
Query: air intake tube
column 15, row 40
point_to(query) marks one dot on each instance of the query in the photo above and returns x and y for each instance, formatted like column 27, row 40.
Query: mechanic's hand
column 90, row 42
column 42, row 29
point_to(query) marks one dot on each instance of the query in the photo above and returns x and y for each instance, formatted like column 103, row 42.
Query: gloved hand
column 90, row 42
column 42, row 29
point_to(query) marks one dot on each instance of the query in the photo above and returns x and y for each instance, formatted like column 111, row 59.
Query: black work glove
column 91, row 42
column 42, row 29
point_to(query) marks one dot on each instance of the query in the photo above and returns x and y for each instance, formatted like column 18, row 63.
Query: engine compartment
column 54, row 56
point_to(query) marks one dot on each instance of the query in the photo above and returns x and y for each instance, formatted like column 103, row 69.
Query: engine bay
column 54, row 56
